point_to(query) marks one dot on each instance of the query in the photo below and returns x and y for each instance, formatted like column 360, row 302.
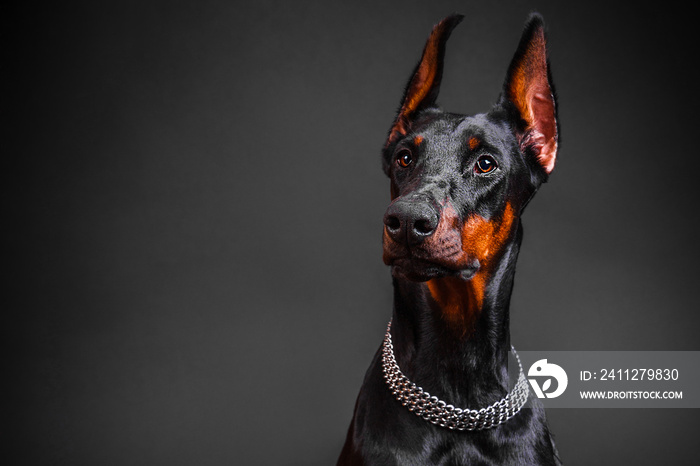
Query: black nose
column 410, row 221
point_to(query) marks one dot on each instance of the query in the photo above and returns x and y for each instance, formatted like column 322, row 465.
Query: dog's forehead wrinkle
column 441, row 127
column 472, row 125
column 485, row 130
column 450, row 136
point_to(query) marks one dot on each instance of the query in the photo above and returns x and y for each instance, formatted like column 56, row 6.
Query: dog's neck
column 462, row 361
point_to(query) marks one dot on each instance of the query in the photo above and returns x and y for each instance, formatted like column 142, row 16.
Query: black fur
column 466, row 366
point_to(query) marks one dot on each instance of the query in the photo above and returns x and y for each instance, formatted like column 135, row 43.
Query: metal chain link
column 442, row 414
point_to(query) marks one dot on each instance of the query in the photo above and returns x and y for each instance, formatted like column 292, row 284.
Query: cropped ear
column 529, row 89
column 423, row 88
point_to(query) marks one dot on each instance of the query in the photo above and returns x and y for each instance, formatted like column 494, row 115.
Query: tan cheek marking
column 482, row 239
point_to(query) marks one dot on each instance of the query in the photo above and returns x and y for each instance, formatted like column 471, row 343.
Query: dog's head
column 459, row 183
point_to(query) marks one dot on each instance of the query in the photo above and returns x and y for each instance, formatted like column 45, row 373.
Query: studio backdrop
column 195, row 198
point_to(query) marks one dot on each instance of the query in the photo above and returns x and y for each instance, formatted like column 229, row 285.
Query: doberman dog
column 452, row 233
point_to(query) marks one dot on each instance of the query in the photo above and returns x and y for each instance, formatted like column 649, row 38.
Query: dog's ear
column 422, row 90
column 530, row 92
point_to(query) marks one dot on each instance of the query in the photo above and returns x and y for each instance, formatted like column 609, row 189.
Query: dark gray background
column 194, row 202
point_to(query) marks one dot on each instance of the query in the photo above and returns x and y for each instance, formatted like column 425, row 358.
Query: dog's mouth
column 440, row 256
column 419, row 270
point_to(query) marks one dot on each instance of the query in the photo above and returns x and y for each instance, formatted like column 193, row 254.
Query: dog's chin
column 422, row 271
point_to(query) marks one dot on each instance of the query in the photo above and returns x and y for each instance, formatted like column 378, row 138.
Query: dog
column 438, row 389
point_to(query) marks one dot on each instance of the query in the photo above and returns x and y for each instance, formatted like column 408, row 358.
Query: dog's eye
column 485, row 164
column 404, row 158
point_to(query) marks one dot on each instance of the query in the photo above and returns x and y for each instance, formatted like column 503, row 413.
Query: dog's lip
column 422, row 270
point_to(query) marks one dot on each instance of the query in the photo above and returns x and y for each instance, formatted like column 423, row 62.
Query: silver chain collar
column 442, row 414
